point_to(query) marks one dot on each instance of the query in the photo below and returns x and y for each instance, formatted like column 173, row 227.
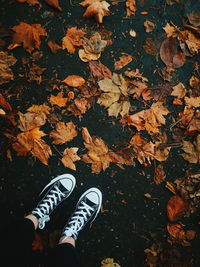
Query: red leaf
column 176, row 206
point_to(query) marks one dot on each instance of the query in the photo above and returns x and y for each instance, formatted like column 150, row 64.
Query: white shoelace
column 46, row 206
column 77, row 221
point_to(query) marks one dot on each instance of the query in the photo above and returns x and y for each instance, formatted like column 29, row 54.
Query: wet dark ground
column 130, row 223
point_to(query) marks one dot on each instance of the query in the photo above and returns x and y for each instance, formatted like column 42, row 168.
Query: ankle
column 33, row 219
column 69, row 240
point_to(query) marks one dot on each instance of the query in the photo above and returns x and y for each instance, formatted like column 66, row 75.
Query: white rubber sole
column 94, row 189
column 60, row 177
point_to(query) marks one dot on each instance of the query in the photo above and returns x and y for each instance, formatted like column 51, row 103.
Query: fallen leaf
column 176, row 207
column 6, row 61
column 192, row 150
column 97, row 9
column 192, row 101
column 31, row 120
column 41, row 150
column 115, row 96
column 179, row 90
column 58, row 100
column 149, row 25
column 30, row 2
column 79, row 106
column 63, row 133
column 135, row 74
column 99, row 70
column 191, row 40
column 124, row 60
column 69, row 157
column 35, row 73
column 39, row 109
column 195, row 85
column 97, row 154
column 74, row 80
column 194, row 18
column 170, row 30
column 159, row 175
column 131, row 7
column 152, row 46
column 132, row 33
column 72, row 39
column 28, row 36
column 170, row 55
column 86, row 57
column 176, row 231
column 4, row 104
column 54, row 3
column 54, row 46
column 109, row 262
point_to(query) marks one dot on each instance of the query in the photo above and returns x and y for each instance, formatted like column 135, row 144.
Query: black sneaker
column 53, row 194
column 86, row 211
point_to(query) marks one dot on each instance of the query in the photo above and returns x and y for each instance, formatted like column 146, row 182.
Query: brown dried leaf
column 30, row 2
column 97, row 9
column 176, row 206
column 99, row 70
column 58, row 100
column 63, row 133
column 4, row 103
column 72, row 39
column 192, row 101
column 29, row 120
column 54, row 3
column 131, row 7
column 28, row 36
column 69, row 157
column 170, row 30
column 149, row 25
column 124, row 60
column 54, row 46
column 97, row 154
column 170, row 55
column 159, row 175
column 179, row 90
column 74, row 80
column 35, row 73
column 192, row 150
column 41, row 150
column 6, row 61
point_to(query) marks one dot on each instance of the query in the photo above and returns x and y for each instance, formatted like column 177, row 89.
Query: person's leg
column 87, row 208
column 17, row 246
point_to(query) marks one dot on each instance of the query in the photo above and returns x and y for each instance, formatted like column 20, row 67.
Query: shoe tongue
column 89, row 202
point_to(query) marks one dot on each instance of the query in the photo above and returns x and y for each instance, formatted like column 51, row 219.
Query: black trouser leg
column 64, row 255
column 17, row 243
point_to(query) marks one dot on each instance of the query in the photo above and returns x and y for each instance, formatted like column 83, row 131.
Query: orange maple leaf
column 72, row 39
column 58, row 100
column 28, row 36
column 97, row 9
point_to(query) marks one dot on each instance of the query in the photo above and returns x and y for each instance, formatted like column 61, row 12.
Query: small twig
column 57, row 151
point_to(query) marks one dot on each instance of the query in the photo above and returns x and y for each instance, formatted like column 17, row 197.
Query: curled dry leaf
column 131, row 7
column 149, row 25
column 132, row 33
column 99, row 70
column 6, row 61
column 123, row 61
column 176, row 207
column 96, row 8
column 4, row 104
column 28, row 36
column 54, row 46
column 58, row 100
column 63, row 133
column 72, row 39
column 31, row 120
column 170, row 54
column 69, row 157
column 159, row 175
column 97, row 154
column 74, row 80
column 54, row 3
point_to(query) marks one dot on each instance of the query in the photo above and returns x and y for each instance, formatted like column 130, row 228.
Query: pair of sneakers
column 56, row 192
